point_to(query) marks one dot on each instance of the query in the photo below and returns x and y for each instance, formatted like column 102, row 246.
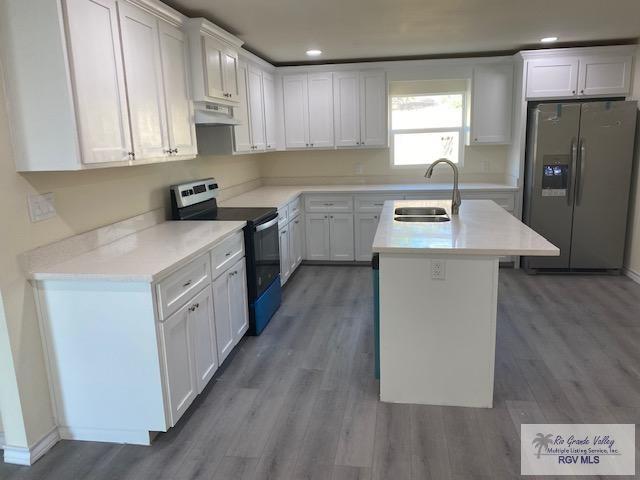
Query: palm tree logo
column 542, row 441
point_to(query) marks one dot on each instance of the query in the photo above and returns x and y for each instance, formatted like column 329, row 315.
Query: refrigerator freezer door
column 603, row 178
column 551, row 156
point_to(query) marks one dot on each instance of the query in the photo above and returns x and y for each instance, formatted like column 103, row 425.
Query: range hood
column 207, row 113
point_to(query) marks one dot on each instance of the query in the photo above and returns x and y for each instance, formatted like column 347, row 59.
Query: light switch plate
column 41, row 207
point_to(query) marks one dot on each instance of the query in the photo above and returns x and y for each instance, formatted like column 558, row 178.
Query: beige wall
column 84, row 200
column 481, row 164
column 633, row 240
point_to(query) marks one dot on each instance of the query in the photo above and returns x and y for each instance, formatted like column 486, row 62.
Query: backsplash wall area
column 481, row 164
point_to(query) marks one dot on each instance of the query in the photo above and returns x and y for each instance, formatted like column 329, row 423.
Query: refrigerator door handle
column 572, row 179
column 580, row 171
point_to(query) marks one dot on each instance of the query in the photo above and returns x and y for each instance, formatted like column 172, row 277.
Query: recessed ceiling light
column 314, row 52
column 549, row 39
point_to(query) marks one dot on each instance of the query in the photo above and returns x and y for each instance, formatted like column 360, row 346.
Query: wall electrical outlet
column 41, row 207
column 438, row 269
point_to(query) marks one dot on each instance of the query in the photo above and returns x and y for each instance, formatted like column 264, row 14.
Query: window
column 425, row 127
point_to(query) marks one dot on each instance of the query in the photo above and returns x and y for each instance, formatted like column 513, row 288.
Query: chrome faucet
column 455, row 198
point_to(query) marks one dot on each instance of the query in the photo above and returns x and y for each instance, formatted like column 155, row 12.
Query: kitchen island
column 438, row 297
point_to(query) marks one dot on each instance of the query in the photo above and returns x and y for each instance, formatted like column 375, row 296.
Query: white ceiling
column 282, row 30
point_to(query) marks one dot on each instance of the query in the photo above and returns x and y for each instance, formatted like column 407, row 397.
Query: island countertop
column 481, row 228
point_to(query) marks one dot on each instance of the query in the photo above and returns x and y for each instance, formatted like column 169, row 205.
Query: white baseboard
column 633, row 275
column 28, row 456
column 134, row 437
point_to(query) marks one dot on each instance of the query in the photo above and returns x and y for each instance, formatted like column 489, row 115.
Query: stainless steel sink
column 429, row 218
column 420, row 211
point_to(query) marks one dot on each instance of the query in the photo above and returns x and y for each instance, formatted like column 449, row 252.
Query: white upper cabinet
column 256, row 108
column 117, row 90
column 182, row 130
column 346, row 108
column 578, row 75
column 242, row 131
column 269, row 95
column 98, row 81
column 141, row 51
column 296, row 110
column 602, row 75
column 214, row 63
column 360, row 108
column 491, row 104
column 552, row 77
column 373, row 109
column 320, row 110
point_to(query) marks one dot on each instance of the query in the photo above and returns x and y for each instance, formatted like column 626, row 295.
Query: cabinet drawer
column 328, row 203
column 506, row 200
column 227, row 253
column 293, row 209
column 373, row 203
column 175, row 290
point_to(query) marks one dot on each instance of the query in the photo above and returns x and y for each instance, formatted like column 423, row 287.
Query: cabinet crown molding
column 578, row 51
column 161, row 10
column 206, row 27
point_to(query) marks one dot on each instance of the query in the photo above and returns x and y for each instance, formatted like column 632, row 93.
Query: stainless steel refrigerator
column 578, row 176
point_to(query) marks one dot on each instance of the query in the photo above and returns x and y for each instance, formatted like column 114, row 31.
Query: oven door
column 266, row 251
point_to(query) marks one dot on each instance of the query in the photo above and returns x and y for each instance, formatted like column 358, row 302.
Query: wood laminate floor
column 300, row 401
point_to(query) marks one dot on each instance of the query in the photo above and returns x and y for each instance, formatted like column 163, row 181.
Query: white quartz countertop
column 279, row 196
column 481, row 228
column 143, row 256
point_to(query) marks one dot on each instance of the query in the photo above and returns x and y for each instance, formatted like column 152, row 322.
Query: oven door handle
column 264, row 226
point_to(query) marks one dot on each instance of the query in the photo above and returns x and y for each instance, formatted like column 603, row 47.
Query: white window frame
column 462, row 129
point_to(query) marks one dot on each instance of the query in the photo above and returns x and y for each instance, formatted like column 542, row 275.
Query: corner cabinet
column 579, row 73
column 117, row 85
column 491, row 104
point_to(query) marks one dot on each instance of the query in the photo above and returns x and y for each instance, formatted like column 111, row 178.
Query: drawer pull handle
column 185, row 285
column 228, row 254
column 378, row 204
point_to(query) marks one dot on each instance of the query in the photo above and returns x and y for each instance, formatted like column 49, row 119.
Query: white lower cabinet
column 203, row 333
column 329, row 236
column 230, row 308
column 365, row 230
column 181, row 380
column 296, row 242
column 285, row 262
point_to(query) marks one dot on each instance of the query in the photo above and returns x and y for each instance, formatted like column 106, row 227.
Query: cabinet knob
column 326, row 216
column 132, row 154
column 185, row 285
column 573, row 91
column 582, row 91
column 168, row 152
column 268, row 146
column 175, row 150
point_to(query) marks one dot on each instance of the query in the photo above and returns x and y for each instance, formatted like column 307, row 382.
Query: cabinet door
column 491, row 104
column 141, row 51
column 285, row 253
column 230, row 74
column 373, row 109
column 296, row 242
column 320, row 110
column 346, row 108
column 365, row 231
column 296, row 111
column 602, row 75
column 552, row 78
column 256, row 111
column 269, row 95
column 242, row 132
column 222, row 315
column 203, row 336
column 341, row 228
column 317, row 236
column 180, row 117
column 238, row 300
column 181, row 378
column 98, row 80
column 213, row 68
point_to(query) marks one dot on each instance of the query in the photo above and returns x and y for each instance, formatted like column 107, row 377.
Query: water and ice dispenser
column 555, row 175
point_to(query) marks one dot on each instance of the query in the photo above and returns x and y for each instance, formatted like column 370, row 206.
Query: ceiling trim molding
column 205, row 26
